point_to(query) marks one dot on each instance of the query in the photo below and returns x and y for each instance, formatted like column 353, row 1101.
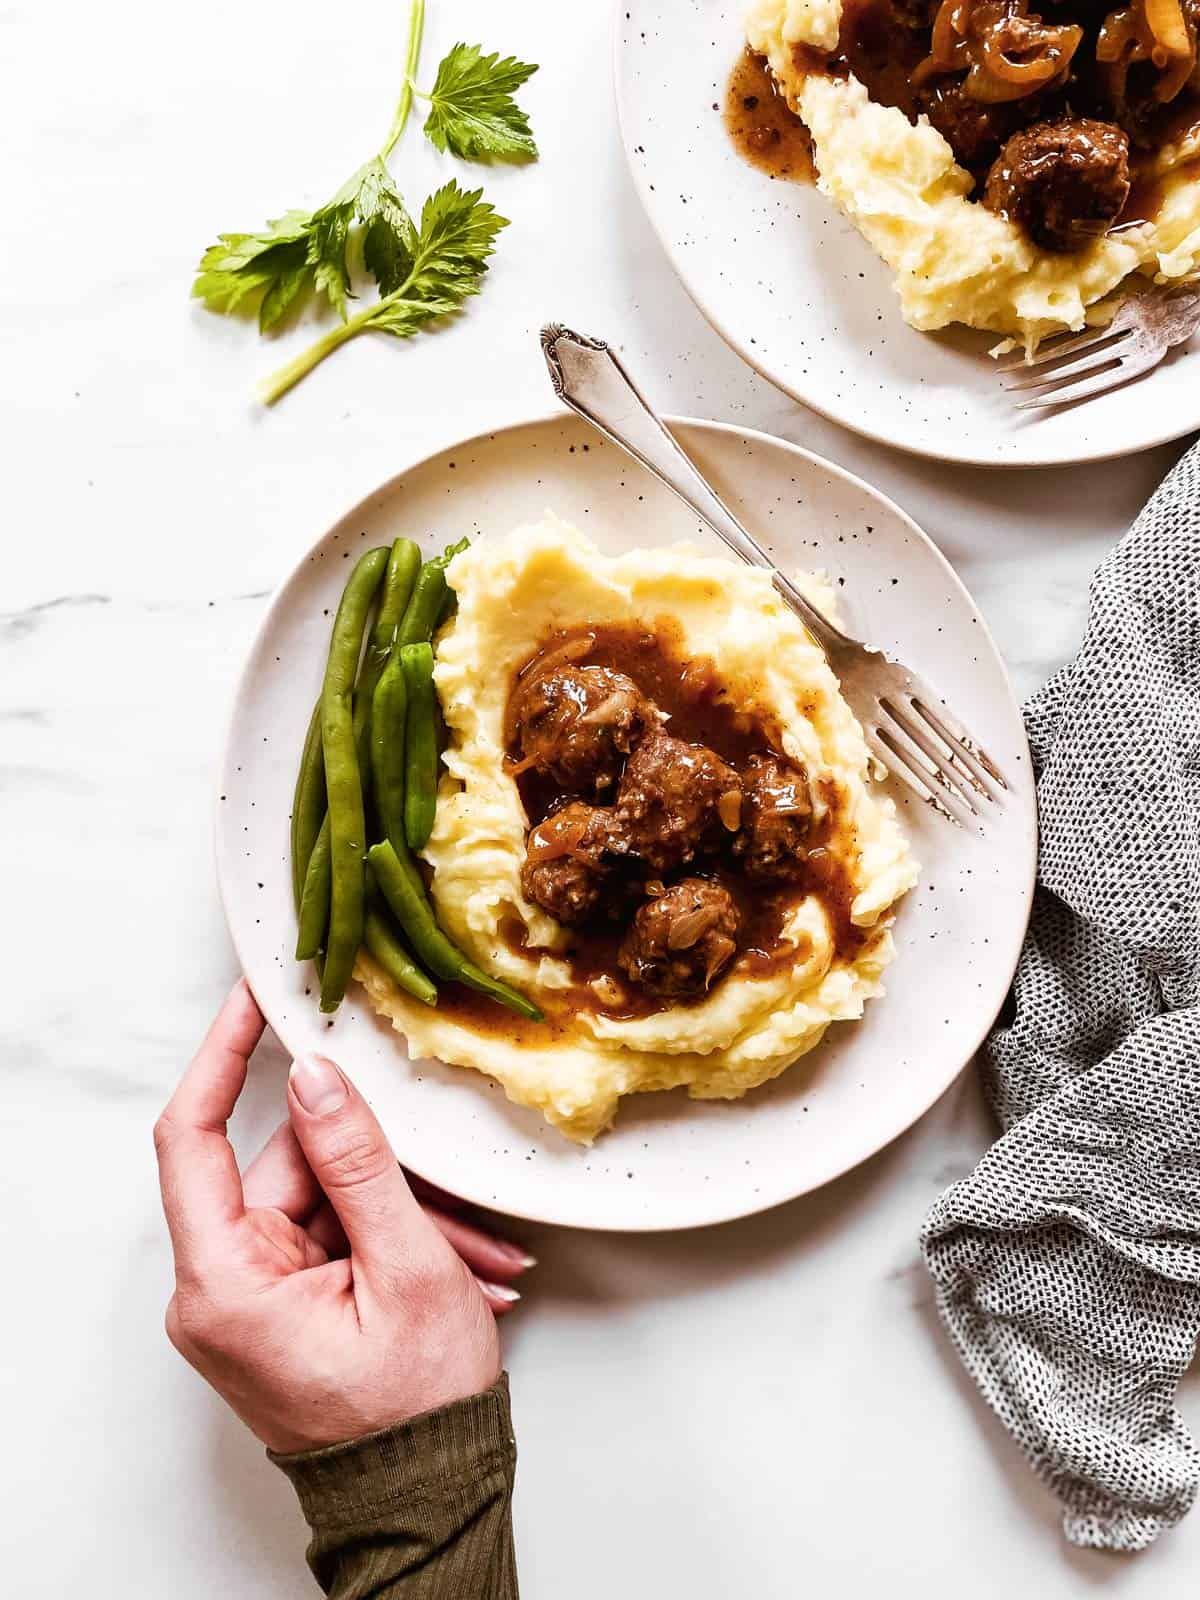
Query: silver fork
column 1141, row 332
column 908, row 727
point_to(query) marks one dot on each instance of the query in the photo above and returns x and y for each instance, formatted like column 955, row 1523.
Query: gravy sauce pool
column 702, row 709
column 1147, row 193
column 764, row 130
column 1142, row 204
column 767, row 132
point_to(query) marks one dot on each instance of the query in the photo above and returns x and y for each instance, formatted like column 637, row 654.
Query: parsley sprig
column 435, row 269
column 422, row 270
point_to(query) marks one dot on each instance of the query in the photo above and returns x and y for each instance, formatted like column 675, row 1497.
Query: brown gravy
column 767, row 133
column 484, row 1016
column 1147, row 193
column 702, row 708
column 1142, row 204
column 877, row 50
column 882, row 54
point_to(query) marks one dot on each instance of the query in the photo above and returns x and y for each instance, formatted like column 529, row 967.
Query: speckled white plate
column 670, row 1162
column 802, row 297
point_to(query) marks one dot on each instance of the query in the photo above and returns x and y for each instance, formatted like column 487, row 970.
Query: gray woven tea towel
column 1067, row 1266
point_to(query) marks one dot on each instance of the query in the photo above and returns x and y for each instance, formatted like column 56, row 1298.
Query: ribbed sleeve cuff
column 348, row 1485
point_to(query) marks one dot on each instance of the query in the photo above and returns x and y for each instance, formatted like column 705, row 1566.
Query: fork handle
column 588, row 377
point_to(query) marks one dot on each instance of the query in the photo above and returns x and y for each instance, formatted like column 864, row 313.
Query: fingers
column 201, row 1186
column 324, row 1228
column 488, row 1258
column 501, row 1297
column 279, row 1176
column 356, row 1168
column 337, row 1146
column 493, row 1261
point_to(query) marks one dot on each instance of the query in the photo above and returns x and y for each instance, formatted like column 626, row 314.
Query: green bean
column 316, row 880
column 483, row 983
column 308, row 803
column 420, row 744
column 393, row 958
column 398, row 878
column 429, row 596
column 388, row 718
column 343, row 781
column 314, row 897
column 403, row 565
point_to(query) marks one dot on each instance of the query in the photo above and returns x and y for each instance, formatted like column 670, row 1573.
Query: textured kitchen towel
column 1067, row 1266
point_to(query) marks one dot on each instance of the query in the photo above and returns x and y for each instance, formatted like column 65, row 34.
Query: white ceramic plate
column 670, row 1162
column 796, row 291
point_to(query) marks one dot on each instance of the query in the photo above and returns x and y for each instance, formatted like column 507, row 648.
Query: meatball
column 1063, row 182
column 675, row 800
column 680, row 942
column 577, row 725
column 776, row 815
column 974, row 131
column 565, row 870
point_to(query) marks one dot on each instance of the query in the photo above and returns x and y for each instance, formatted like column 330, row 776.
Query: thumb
column 356, row 1167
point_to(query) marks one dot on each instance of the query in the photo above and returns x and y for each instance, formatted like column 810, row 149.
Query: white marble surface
column 765, row 1409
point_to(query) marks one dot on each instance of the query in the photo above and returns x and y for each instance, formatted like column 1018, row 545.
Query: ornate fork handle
column 589, row 378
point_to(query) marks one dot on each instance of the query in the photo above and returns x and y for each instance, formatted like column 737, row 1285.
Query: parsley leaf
column 305, row 251
column 328, row 242
column 472, row 112
column 273, row 263
column 458, row 233
column 389, row 238
column 449, row 256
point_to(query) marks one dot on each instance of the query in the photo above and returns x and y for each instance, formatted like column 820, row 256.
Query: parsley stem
column 416, row 27
column 278, row 384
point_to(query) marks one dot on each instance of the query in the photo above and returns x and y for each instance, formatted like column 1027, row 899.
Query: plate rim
column 467, row 1191
column 877, row 435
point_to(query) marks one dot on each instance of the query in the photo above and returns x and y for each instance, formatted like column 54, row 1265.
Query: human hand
column 315, row 1294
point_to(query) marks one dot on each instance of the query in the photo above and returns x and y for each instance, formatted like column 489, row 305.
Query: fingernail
column 515, row 1253
column 499, row 1291
column 318, row 1085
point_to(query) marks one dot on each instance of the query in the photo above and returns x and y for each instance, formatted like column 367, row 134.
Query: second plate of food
column 776, row 265
column 709, row 962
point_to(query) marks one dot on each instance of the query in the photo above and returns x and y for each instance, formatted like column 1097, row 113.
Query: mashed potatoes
column 513, row 592
column 954, row 261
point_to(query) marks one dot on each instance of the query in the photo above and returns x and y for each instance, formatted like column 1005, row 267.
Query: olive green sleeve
column 421, row 1511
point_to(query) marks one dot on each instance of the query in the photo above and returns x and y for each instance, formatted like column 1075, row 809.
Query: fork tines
column 1062, row 344
column 919, row 741
column 1143, row 328
column 1113, row 355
